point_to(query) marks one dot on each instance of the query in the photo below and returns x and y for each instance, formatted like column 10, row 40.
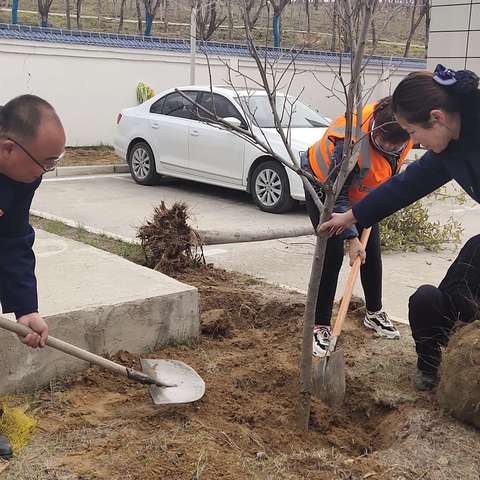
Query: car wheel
column 142, row 164
column 270, row 188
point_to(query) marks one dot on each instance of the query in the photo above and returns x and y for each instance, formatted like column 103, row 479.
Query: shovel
column 170, row 381
column 329, row 372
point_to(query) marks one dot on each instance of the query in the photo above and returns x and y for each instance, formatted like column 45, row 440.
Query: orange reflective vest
column 372, row 167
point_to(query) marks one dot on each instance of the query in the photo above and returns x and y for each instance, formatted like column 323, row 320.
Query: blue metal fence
column 56, row 35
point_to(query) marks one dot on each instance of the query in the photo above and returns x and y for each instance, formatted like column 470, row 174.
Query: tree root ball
column 459, row 388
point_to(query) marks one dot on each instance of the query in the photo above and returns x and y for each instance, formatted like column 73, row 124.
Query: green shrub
column 410, row 228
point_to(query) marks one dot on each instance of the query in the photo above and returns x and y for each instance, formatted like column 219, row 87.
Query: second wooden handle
column 347, row 294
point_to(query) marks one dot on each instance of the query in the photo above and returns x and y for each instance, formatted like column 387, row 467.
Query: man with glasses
column 32, row 142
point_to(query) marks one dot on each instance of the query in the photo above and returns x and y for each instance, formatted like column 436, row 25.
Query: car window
column 292, row 112
column 157, row 106
column 175, row 105
column 218, row 105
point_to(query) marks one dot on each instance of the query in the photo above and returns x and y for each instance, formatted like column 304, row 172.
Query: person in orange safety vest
column 384, row 147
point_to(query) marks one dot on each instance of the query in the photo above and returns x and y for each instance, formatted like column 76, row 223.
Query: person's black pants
column 370, row 272
column 433, row 312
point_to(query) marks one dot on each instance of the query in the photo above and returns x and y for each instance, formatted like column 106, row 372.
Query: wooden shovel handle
column 347, row 294
column 65, row 347
column 77, row 352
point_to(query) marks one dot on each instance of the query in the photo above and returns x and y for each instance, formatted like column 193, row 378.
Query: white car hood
column 300, row 139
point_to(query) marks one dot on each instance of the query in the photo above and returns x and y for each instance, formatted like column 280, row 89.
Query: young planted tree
column 79, row 13
column 43, row 9
column 418, row 12
column 207, row 21
column 278, row 7
column 14, row 12
column 230, row 19
column 275, row 72
column 307, row 13
column 67, row 14
column 121, row 16
column 151, row 8
column 99, row 14
column 139, row 16
column 253, row 10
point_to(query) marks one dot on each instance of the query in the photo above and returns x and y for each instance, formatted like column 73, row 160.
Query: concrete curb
column 74, row 224
column 87, row 170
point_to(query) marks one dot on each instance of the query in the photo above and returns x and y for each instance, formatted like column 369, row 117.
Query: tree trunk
column 427, row 24
column 353, row 99
column 307, row 11
column 79, row 14
column 166, row 8
column 14, row 12
column 276, row 30
column 374, row 34
column 67, row 14
column 335, row 29
column 99, row 14
column 122, row 13
column 230, row 19
column 148, row 24
column 139, row 17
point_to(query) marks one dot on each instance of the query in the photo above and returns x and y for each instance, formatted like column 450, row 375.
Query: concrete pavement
column 99, row 302
column 287, row 262
column 116, row 205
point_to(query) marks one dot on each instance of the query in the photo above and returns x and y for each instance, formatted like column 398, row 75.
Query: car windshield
column 292, row 112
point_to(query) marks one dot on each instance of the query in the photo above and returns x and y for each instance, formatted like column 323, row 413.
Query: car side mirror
column 235, row 122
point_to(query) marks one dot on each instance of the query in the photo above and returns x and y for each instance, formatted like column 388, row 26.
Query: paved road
column 115, row 204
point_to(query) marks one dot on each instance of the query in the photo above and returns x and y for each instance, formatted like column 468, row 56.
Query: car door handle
column 194, row 133
column 155, row 125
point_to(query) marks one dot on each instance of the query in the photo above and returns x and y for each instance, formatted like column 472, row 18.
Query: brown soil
column 76, row 156
column 101, row 427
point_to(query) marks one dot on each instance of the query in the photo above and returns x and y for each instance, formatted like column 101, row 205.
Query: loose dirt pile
column 97, row 426
column 459, row 389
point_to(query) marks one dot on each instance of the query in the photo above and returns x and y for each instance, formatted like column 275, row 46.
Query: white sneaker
column 321, row 340
column 380, row 322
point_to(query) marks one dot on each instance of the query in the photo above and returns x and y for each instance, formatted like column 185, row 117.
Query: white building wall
column 89, row 85
column 455, row 34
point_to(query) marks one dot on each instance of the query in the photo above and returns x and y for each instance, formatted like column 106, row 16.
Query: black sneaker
column 425, row 381
column 321, row 340
column 5, row 448
column 380, row 322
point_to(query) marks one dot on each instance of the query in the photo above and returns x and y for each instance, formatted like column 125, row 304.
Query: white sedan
column 168, row 135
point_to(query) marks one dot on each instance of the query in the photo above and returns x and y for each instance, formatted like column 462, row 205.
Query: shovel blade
column 328, row 375
column 189, row 386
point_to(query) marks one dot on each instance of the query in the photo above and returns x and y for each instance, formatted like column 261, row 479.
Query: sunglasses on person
column 47, row 165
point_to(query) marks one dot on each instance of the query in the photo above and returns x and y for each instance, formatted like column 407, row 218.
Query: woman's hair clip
column 444, row 76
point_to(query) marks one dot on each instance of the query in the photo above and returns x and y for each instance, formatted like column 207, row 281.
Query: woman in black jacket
column 442, row 112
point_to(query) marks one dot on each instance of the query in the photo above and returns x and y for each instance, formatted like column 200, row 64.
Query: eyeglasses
column 374, row 132
column 395, row 151
column 49, row 164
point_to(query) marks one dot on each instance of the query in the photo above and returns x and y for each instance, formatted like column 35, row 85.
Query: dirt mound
column 215, row 323
column 459, row 388
column 101, row 427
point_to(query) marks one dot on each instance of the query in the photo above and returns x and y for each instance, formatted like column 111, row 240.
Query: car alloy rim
column 268, row 187
column 141, row 163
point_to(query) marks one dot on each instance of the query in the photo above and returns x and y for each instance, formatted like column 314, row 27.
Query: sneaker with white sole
column 321, row 340
column 380, row 322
